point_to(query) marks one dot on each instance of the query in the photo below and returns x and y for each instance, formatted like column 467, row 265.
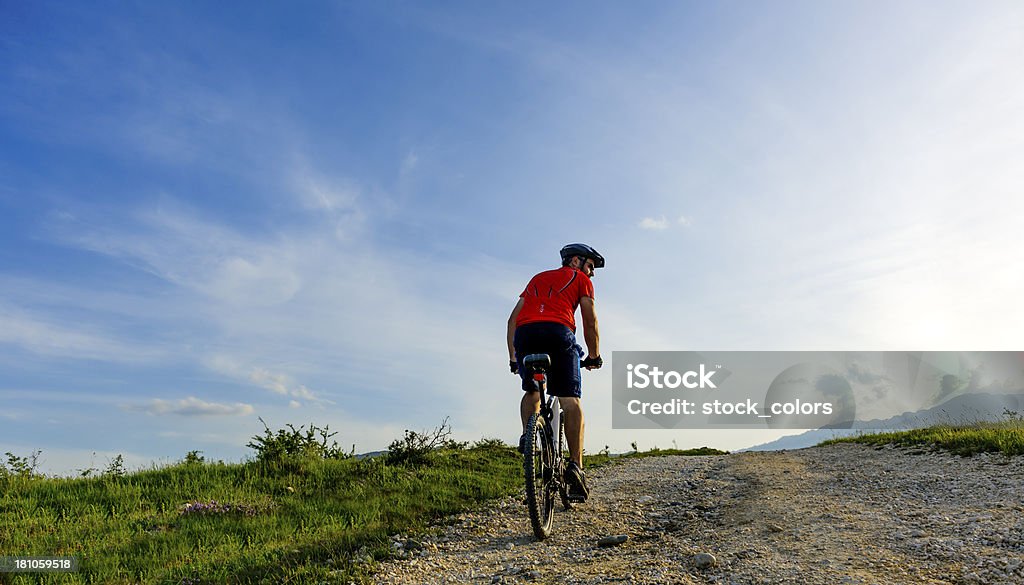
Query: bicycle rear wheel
column 540, row 497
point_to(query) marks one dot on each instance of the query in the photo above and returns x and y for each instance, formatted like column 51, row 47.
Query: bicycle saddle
column 538, row 362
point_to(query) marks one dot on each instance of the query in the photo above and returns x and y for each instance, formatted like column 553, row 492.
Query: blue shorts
column 559, row 342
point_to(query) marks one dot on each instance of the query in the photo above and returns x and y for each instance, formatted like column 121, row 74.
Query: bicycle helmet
column 582, row 250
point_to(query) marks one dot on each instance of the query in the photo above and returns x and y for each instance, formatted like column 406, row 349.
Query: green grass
column 298, row 522
column 298, row 518
column 1005, row 437
column 602, row 459
column 303, row 519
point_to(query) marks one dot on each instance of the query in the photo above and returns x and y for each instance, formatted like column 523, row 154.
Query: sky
column 323, row 213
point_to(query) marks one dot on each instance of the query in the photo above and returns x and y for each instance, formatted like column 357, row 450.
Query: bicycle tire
column 563, row 487
column 540, row 500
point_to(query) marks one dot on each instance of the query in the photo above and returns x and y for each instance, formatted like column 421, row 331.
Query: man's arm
column 512, row 329
column 590, row 333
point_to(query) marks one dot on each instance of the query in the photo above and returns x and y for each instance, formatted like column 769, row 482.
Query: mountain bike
column 546, row 454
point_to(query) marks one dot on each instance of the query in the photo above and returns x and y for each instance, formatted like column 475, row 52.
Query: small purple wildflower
column 213, row 507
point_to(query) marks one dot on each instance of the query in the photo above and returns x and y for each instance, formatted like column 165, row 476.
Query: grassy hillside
column 301, row 512
column 297, row 521
column 1005, row 436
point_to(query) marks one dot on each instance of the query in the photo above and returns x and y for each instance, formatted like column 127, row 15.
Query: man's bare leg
column 573, row 414
column 528, row 406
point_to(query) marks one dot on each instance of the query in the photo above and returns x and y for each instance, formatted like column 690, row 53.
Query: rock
column 704, row 560
column 613, row 540
column 413, row 545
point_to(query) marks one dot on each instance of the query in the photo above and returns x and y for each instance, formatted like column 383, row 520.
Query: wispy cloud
column 661, row 223
column 46, row 335
column 190, row 406
column 335, row 200
column 278, row 383
column 657, row 224
column 409, row 163
column 203, row 256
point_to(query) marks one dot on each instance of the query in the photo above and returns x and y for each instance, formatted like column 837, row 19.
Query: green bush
column 414, row 448
column 193, row 458
column 21, row 466
column 295, row 443
column 116, row 468
column 491, row 443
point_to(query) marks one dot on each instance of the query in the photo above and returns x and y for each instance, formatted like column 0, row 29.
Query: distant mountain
column 963, row 409
column 370, row 455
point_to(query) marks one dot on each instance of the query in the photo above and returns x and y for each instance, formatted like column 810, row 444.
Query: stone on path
column 613, row 540
column 704, row 560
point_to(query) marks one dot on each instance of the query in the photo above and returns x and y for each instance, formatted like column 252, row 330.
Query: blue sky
column 324, row 213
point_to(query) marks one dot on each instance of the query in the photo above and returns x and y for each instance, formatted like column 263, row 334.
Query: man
column 543, row 321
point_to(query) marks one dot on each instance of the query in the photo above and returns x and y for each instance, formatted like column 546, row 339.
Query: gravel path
column 842, row 514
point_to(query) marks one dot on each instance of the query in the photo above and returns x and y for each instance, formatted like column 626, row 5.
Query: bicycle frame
column 550, row 410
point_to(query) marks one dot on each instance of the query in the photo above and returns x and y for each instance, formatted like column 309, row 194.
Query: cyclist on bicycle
column 543, row 321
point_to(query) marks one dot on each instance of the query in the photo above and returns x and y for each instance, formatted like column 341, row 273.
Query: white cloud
column 650, row 223
column 409, row 163
column 278, row 383
column 205, row 257
column 47, row 336
column 323, row 195
column 191, row 406
column 336, row 200
column 661, row 223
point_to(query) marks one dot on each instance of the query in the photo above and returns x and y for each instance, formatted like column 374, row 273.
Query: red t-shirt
column 553, row 296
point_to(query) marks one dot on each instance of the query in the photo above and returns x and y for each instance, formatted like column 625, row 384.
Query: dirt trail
column 843, row 514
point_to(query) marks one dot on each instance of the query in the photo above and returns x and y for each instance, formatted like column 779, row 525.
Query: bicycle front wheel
column 540, row 500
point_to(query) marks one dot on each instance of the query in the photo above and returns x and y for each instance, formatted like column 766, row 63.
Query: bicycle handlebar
column 589, row 363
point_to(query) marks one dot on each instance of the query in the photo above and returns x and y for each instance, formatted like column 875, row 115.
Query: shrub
column 292, row 443
column 414, row 447
column 116, row 468
column 491, row 443
column 21, row 466
column 193, row 458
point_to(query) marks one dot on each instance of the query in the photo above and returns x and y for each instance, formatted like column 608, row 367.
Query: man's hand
column 512, row 365
column 592, row 363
